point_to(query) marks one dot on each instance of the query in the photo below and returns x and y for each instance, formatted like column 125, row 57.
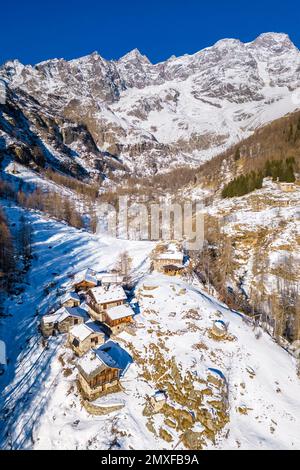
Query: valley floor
column 171, row 347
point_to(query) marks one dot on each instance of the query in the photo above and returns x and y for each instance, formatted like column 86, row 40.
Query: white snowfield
column 40, row 405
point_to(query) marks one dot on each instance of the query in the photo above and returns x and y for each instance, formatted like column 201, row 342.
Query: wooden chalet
column 85, row 280
column 99, row 371
column 85, row 336
column 62, row 320
column 117, row 317
column 101, row 298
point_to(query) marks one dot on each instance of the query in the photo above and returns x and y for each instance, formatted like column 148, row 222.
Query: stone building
column 287, row 187
column 85, row 336
column 62, row 320
column 173, row 270
column 70, row 299
column 167, row 259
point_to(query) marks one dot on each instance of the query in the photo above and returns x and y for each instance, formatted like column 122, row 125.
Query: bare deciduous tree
column 123, row 266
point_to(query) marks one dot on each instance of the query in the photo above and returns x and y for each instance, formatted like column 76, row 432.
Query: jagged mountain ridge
column 181, row 111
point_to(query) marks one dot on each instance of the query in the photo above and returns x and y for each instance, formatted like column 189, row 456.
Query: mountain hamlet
column 127, row 342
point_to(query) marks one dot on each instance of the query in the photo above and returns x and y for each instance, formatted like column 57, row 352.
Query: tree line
column 7, row 259
column 279, row 170
column 84, row 189
column 53, row 204
column 277, row 140
column 15, row 253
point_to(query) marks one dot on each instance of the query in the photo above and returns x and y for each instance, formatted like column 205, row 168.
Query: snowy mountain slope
column 58, row 254
column 181, row 111
column 172, row 349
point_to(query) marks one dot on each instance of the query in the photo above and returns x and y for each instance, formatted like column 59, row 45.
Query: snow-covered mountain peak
column 274, row 42
column 13, row 67
column 89, row 58
column 135, row 55
column 228, row 43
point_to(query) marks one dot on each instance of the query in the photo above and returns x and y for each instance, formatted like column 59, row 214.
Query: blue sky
column 33, row 31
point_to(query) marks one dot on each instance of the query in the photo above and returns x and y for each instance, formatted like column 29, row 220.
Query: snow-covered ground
column 171, row 347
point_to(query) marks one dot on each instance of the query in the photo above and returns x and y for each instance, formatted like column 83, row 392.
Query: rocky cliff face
column 149, row 117
column 35, row 136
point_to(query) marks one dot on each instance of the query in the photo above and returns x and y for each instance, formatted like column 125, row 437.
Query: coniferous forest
column 279, row 170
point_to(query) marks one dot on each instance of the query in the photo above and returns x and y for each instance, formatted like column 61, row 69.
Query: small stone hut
column 62, row 320
column 85, row 336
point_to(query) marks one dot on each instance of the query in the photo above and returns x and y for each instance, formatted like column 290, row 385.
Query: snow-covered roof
column 88, row 275
column 2, row 353
column 90, row 364
column 63, row 313
column 52, row 318
column 84, row 330
column 111, row 278
column 109, row 355
column 113, row 355
column 220, row 324
column 70, row 296
column 121, row 311
column 160, row 396
column 111, row 294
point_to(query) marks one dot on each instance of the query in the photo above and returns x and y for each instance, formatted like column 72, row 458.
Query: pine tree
column 237, row 154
